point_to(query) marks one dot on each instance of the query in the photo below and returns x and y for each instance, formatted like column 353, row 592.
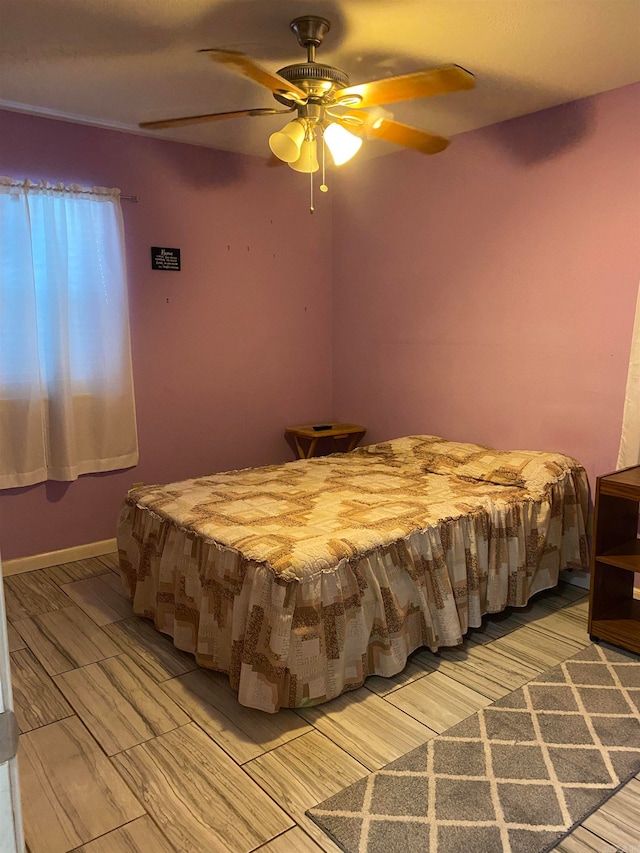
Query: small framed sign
column 165, row 259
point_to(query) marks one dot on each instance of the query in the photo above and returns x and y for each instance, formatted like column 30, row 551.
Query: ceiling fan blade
column 244, row 65
column 399, row 134
column 421, row 84
column 178, row 122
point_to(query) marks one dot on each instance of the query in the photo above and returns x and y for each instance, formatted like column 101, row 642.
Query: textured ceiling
column 118, row 62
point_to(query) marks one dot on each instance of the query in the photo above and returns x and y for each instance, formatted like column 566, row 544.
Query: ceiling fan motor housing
column 317, row 81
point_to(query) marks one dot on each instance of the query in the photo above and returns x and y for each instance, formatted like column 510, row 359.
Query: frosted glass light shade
column 342, row 144
column 308, row 159
column 286, row 143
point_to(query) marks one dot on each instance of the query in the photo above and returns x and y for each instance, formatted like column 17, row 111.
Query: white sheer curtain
column 629, row 452
column 66, row 386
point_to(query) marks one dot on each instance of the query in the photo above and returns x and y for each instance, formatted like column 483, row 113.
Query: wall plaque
column 165, row 259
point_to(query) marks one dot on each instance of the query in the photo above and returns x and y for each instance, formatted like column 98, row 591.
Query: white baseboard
column 577, row 577
column 55, row 558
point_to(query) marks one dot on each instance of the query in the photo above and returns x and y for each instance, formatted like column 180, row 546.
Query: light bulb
column 286, row 143
column 342, row 144
column 308, row 159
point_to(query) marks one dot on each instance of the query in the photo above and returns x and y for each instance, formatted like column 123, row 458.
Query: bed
column 300, row 580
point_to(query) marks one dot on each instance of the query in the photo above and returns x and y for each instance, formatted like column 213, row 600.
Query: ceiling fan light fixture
column 342, row 144
column 308, row 160
column 286, row 143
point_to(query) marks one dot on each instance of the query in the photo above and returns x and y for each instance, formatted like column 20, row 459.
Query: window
column 66, row 388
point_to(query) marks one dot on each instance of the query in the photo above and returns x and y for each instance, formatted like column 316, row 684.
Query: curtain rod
column 132, row 198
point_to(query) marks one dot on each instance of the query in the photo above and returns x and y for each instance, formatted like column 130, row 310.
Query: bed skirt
column 302, row 641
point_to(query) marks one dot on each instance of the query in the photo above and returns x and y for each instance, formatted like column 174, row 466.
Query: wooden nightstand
column 614, row 614
column 303, row 434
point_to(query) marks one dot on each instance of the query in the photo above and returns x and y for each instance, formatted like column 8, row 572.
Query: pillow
column 445, row 457
column 409, row 449
column 525, row 469
column 529, row 470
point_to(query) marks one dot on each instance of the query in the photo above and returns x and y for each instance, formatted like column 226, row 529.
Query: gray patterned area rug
column 515, row 777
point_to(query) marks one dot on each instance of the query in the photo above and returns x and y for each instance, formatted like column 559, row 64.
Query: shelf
column 625, row 556
column 624, row 484
column 622, row 629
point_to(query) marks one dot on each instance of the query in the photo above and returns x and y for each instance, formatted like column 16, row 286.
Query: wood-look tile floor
column 126, row 746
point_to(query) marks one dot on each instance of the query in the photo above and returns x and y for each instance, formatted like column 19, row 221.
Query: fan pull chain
column 311, row 153
column 323, row 185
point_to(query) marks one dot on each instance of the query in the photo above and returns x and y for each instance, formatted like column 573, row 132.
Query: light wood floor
column 127, row 746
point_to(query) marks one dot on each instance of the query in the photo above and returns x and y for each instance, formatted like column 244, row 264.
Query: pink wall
column 487, row 294
column 227, row 352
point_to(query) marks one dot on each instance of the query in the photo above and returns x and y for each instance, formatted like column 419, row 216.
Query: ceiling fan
column 327, row 107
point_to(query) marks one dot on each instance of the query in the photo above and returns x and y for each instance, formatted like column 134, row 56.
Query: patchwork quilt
column 301, row 579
